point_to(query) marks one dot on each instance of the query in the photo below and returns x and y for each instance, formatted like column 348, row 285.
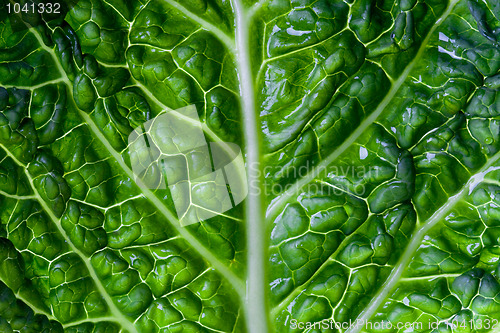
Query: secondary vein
column 234, row 280
column 231, row 277
column 218, row 33
column 126, row 323
column 416, row 241
column 279, row 202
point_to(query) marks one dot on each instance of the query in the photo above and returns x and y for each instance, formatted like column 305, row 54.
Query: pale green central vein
column 256, row 301
column 124, row 321
column 416, row 241
column 279, row 202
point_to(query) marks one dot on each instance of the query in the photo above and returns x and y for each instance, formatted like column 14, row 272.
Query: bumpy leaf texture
column 370, row 131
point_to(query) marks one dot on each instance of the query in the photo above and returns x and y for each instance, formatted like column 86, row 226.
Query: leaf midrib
column 256, row 301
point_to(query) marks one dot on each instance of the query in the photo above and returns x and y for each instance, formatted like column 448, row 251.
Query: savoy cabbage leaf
column 370, row 133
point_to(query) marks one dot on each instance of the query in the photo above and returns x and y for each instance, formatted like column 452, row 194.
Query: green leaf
column 250, row 166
